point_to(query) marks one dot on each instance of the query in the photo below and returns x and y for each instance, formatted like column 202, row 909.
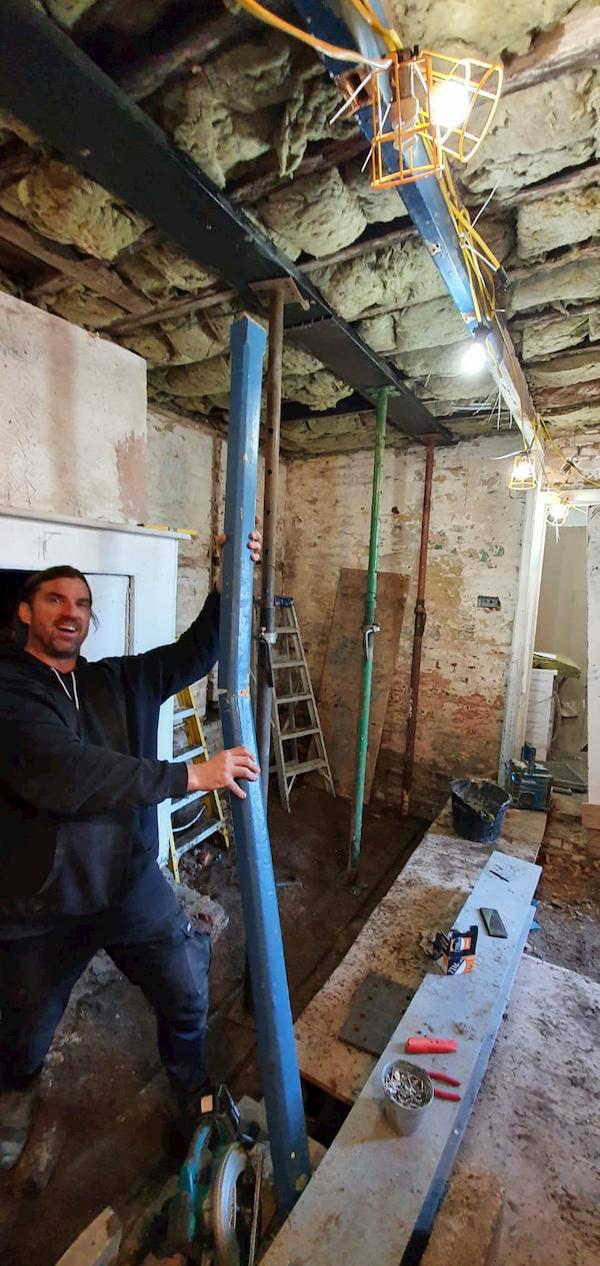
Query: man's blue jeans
column 167, row 958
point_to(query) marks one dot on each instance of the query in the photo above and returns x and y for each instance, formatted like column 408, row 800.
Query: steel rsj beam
column 54, row 88
column 264, row 945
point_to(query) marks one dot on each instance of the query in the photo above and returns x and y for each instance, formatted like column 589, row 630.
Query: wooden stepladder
column 208, row 818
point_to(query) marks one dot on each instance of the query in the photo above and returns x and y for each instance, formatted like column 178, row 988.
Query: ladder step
column 292, row 698
column 194, row 795
column 188, row 753
column 197, row 835
column 287, row 628
column 304, row 766
column 296, row 734
column 180, row 714
column 287, row 663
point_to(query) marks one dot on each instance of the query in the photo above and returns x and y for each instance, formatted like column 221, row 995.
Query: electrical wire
column 480, row 262
column 321, row 46
column 388, row 34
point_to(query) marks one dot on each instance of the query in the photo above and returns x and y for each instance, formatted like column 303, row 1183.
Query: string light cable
column 320, row 46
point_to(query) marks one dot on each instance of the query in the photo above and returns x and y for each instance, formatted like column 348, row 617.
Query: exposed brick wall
column 474, row 548
column 566, row 842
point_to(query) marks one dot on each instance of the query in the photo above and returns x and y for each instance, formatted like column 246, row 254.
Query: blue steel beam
column 427, row 208
column 273, row 1016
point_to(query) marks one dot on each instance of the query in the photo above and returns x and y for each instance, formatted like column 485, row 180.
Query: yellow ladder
column 208, row 818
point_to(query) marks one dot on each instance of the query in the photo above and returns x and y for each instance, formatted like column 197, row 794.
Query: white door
column 111, row 608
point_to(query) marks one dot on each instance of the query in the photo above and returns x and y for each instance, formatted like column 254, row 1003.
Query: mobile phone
column 493, row 923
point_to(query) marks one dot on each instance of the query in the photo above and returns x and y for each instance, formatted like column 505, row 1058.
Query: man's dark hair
column 39, row 578
column 31, row 587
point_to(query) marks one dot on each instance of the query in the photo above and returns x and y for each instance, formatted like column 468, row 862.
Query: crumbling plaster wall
column 474, row 548
column 72, row 419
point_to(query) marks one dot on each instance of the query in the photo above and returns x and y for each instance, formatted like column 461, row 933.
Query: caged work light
column 445, row 103
column 557, row 512
column 523, row 474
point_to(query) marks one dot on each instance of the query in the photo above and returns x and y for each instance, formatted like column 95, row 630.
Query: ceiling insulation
column 572, row 282
column 67, row 207
column 486, row 28
column 544, row 226
column 536, row 133
column 543, row 338
column 256, row 113
column 164, row 270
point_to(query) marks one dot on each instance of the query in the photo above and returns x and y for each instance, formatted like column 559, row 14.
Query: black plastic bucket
column 478, row 809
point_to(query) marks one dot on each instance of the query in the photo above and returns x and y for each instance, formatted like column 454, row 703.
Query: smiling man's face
column 58, row 620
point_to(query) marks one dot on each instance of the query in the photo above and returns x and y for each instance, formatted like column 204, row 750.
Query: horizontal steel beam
column 53, row 87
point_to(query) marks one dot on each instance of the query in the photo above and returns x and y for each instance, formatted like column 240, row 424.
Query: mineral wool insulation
column 270, row 94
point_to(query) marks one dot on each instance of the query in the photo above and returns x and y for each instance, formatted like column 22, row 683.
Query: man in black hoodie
column 79, row 785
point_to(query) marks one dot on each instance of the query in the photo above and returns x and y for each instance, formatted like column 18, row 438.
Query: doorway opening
column 557, row 710
column 11, row 584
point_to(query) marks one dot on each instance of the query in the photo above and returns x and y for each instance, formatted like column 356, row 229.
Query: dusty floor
column 569, row 918
column 536, row 1121
column 105, row 1101
column 104, row 1105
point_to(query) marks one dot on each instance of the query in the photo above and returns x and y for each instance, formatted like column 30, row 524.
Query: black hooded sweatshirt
column 79, row 789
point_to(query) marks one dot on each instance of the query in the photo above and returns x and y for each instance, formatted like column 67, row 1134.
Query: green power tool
column 214, row 1215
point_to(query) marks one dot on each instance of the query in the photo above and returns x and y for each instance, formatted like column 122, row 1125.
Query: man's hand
column 254, row 545
column 222, row 770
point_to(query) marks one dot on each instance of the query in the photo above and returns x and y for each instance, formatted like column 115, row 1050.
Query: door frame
column 526, row 613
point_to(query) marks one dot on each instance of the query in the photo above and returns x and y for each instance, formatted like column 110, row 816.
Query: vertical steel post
column 420, row 621
column 274, row 1029
column 369, row 629
column 264, row 696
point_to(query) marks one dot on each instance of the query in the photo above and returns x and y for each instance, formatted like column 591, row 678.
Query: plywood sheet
column 340, row 684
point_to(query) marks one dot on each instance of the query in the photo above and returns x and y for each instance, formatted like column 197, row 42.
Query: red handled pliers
column 448, row 1081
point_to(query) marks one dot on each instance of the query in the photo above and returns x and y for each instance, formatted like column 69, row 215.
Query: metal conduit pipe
column 264, row 697
column 420, row 621
column 274, row 1028
column 368, row 631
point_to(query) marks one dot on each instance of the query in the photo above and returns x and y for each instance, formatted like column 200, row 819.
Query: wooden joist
column 97, row 277
column 170, row 311
column 553, row 399
column 572, row 44
column 186, row 53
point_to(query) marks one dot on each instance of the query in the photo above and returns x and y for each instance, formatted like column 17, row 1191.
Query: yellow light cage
column 523, row 475
column 447, row 103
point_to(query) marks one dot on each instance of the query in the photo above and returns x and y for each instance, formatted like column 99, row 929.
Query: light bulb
column 523, row 472
column 449, row 104
column 474, row 357
column 557, row 513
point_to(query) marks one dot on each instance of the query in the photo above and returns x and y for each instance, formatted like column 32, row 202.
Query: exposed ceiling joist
column 571, row 45
column 567, row 182
column 550, row 318
column 88, row 273
column 47, row 82
column 551, row 399
column 189, row 49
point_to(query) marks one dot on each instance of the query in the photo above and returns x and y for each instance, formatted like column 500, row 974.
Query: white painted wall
column 72, row 419
column 562, row 623
column 593, row 571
